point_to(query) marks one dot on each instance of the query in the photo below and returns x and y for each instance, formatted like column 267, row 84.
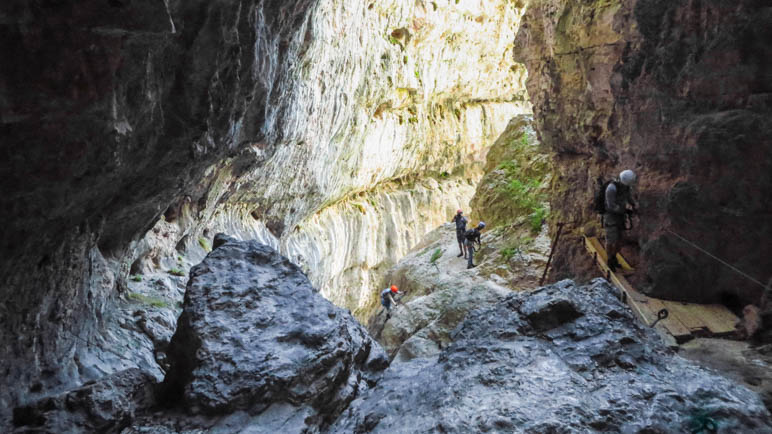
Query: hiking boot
column 460, row 255
column 470, row 266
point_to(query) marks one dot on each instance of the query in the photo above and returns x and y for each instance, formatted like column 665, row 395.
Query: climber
column 460, row 222
column 472, row 236
column 618, row 195
column 387, row 297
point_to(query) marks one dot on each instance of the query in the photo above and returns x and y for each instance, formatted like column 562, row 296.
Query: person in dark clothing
column 460, row 222
column 472, row 236
column 618, row 195
column 387, row 297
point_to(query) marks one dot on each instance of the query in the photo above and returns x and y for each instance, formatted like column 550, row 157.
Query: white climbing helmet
column 627, row 177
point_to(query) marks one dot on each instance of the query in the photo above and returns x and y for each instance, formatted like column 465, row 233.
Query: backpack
column 599, row 200
column 470, row 235
column 460, row 222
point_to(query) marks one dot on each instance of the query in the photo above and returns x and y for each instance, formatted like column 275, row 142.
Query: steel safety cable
column 735, row 269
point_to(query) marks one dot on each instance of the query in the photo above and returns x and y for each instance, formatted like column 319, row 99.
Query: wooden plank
column 643, row 307
column 597, row 246
column 719, row 319
column 672, row 324
column 686, row 315
column 625, row 266
column 593, row 245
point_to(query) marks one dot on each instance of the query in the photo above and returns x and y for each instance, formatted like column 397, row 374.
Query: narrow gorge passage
column 202, row 201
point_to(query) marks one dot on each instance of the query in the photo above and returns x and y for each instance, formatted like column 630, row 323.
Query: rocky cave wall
column 385, row 98
column 109, row 112
column 179, row 116
column 680, row 92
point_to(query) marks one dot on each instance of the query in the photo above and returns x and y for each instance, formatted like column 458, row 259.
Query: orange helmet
column 394, row 288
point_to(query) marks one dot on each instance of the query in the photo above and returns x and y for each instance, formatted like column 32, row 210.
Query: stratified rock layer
column 255, row 333
column 678, row 91
column 561, row 359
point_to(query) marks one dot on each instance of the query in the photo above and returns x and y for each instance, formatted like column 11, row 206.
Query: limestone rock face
column 439, row 294
column 109, row 112
column 563, row 358
column 383, row 132
column 517, row 177
column 679, row 92
column 132, row 131
column 255, row 333
column 107, row 405
column 347, row 247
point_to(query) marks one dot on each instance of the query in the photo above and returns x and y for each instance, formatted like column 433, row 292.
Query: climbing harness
column 662, row 314
column 735, row 269
column 629, row 218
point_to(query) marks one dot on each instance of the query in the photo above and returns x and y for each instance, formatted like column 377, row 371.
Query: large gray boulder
column 561, row 359
column 254, row 334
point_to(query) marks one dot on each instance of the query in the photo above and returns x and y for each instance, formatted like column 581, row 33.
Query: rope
column 735, row 269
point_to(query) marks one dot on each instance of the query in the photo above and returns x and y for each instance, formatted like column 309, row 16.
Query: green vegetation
column 537, row 218
column 527, row 196
column 151, row 301
column 435, row 256
column 176, row 272
column 516, row 248
column 417, row 74
column 526, row 171
column 508, row 252
column 136, row 278
column 204, row 243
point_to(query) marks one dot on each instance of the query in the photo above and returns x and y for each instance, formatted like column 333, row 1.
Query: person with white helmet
column 460, row 222
column 472, row 236
column 618, row 195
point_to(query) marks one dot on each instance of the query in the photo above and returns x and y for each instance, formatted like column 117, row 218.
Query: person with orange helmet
column 387, row 297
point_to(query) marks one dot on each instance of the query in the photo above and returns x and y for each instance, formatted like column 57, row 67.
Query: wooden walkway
column 685, row 320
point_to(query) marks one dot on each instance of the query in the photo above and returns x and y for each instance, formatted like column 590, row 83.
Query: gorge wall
column 385, row 100
column 678, row 91
column 133, row 131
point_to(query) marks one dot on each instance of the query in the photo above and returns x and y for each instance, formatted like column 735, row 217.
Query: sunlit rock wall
column 347, row 247
column 151, row 118
column 388, row 99
column 385, row 90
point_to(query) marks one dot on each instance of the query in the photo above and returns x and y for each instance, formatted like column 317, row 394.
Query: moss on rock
column 517, row 178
